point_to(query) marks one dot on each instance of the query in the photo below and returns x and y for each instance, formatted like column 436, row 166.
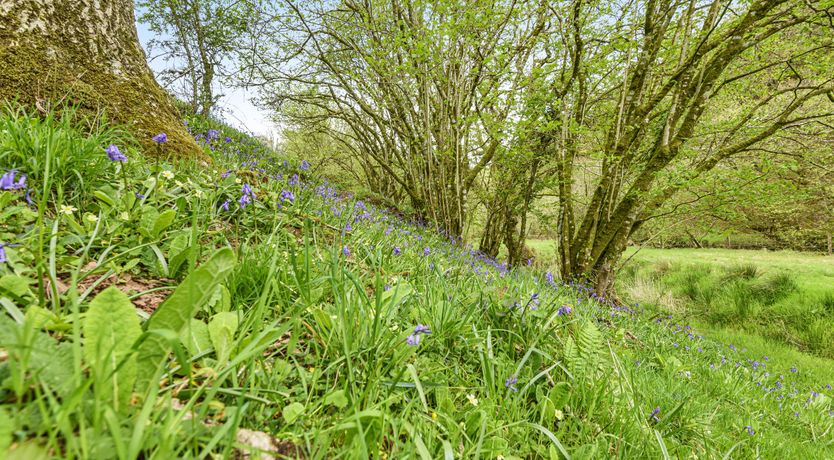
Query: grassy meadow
column 250, row 309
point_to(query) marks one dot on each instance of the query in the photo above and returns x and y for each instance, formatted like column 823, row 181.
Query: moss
column 35, row 75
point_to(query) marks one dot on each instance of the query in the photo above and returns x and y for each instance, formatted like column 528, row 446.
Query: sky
column 235, row 104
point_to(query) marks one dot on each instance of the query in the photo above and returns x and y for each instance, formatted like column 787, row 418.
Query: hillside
column 245, row 308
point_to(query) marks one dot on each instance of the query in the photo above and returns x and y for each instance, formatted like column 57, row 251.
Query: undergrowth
column 177, row 310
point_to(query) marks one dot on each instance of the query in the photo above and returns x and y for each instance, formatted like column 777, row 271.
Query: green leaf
column 110, row 329
column 147, row 221
column 179, row 308
column 336, row 398
column 195, row 336
column 104, row 198
column 559, row 395
column 17, row 285
column 222, row 329
column 153, row 223
column 292, row 412
column 162, row 222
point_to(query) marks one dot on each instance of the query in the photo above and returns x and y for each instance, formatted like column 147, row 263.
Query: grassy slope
column 328, row 290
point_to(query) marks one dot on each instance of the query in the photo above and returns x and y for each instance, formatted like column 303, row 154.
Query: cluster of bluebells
column 458, row 257
column 775, row 386
column 414, row 338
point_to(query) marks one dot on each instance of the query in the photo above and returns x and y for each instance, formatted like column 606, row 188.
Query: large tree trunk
column 85, row 52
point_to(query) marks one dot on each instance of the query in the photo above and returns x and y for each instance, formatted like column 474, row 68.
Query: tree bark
column 86, row 52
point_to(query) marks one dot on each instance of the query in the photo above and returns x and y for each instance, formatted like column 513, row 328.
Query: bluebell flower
column 212, row 134
column 793, row 369
column 549, row 278
column 244, row 200
column 114, row 154
column 426, row 252
column 228, row 139
column 287, row 195
column 304, row 165
column 413, row 340
column 226, row 174
column 750, row 430
column 564, row 310
column 7, row 181
column 655, row 413
column 138, row 196
column 397, row 250
column 511, row 382
column 225, row 205
column 160, row 138
column 346, row 251
column 421, row 329
column 293, row 180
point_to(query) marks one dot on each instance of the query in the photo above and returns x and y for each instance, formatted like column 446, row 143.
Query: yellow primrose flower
column 238, row 180
column 92, row 218
column 124, row 215
column 68, row 210
column 199, row 193
column 167, row 174
column 179, row 184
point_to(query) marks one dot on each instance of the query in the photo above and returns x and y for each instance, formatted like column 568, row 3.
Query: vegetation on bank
column 171, row 310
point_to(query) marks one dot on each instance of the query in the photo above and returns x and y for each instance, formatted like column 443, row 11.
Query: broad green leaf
column 148, row 221
column 195, row 336
column 110, row 329
column 17, row 285
column 179, row 308
column 292, row 412
column 336, row 398
column 222, row 329
column 162, row 222
column 104, row 198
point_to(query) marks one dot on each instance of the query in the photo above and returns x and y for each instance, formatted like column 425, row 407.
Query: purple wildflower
column 549, row 278
column 421, row 329
column 114, row 154
column 293, row 180
column 160, row 138
column 304, row 165
column 346, row 251
column 413, row 340
column 655, row 413
column 510, row 383
column 7, row 181
column 564, row 310
column 244, row 200
column 397, row 250
column 226, row 174
column 750, row 430
column 225, row 205
column 287, row 195
column 426, row 252
column 212, row 134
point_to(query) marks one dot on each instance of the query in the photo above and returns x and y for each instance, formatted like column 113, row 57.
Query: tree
column 197, row 38
column 420, row 87
column 87, row 52
column 654, row 94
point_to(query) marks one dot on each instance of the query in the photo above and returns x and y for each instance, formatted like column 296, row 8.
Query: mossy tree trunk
column 86, row 52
